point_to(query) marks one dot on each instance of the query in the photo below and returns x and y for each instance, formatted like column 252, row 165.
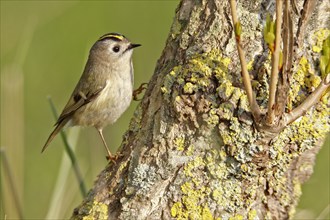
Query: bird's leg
column 110, row 157
column 138, row 91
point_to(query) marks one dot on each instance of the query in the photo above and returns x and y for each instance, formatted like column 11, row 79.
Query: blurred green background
column 44, row 46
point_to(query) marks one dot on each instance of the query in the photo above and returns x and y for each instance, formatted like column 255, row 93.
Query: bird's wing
column 79, row 98
column 82, row 95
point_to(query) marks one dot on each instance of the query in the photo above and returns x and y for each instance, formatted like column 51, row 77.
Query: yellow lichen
column 213, row 117
column 176, row 211
column 197, row 72
column 179, row 143
column 318, row 37
column 190, row 150
column 236, row 217
column 252, row 214
column 189, row 88
column 97, row 210
column 225, row 89
column 304, row 78
column 206, row 213
column 189, row 167
column 239, row 141
column 250, row 65
column 191, row 206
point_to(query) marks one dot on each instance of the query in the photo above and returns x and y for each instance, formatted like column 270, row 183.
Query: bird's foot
column 113, row 158
column 138, row 91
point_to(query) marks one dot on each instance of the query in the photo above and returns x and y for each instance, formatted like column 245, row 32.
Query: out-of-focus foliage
column 325, row 58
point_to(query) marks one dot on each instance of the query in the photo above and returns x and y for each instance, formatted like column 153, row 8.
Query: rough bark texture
column 192, row 150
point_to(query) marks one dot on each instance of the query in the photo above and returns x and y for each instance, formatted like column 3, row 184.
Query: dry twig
column 275, row 65
column 311, row 100
column 255, row 110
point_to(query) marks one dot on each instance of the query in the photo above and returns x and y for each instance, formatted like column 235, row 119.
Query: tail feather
column 57, row 129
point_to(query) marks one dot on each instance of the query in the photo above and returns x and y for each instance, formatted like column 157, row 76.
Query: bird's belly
column 106, row 108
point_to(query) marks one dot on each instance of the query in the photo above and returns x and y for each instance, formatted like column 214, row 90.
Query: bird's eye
column 116, row 49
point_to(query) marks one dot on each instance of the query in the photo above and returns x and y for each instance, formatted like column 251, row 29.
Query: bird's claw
column 138, row 91
column 114, row 158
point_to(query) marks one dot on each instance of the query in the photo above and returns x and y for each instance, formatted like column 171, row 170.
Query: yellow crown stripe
column 119, row 37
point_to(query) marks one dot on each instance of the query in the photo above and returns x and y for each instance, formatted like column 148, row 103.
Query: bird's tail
column 57, row 129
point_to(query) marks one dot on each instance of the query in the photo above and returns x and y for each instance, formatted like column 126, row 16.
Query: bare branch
column 306, row 13
column 255, row 110
column 294, row 7
column 311, row 100
column 275, row 62
column 288, row 54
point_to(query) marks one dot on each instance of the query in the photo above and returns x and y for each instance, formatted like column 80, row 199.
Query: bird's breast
column 110, row 104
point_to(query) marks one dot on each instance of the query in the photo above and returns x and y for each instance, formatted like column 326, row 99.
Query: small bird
column 104, row 90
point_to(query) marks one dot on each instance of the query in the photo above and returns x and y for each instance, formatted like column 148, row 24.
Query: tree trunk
column 192, row 149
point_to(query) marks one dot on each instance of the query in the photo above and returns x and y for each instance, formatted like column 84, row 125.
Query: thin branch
column 255, row 110
column 275, row 62
column 308, row 8
column 294, row 6
column 288, row 54
column 311, row 100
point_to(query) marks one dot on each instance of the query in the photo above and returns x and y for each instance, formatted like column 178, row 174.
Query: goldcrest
column 104, row 90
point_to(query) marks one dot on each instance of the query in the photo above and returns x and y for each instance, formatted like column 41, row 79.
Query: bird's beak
column 131, row 46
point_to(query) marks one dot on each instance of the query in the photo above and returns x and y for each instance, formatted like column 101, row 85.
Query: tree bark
column 192, row 150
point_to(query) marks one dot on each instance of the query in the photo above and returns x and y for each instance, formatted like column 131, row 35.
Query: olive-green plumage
column 105, row 88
